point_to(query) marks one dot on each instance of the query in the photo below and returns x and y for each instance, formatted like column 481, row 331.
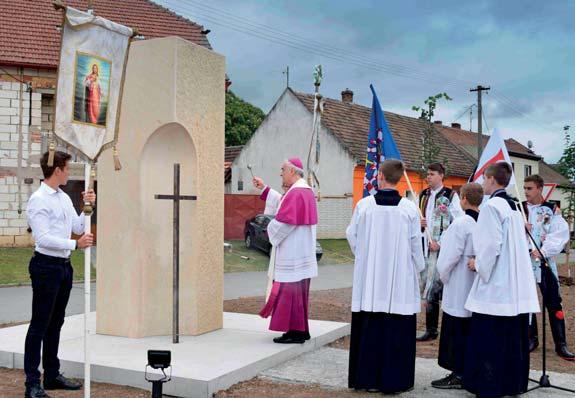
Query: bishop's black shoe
column 61, row 383
column 35, row 391
column 450, row 382
column 291, row 337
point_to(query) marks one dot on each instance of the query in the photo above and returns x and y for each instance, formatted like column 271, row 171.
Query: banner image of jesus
column 92, row 82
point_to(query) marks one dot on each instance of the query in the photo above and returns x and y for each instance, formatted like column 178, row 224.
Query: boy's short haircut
column 392, row 170
column 501, row 171
column 473, row 192
column 536, row 179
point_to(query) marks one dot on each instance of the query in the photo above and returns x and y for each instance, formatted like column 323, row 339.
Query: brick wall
column 334, row 217
column 14, row 192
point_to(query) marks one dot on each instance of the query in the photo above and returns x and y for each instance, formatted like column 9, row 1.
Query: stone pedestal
column 172, row 112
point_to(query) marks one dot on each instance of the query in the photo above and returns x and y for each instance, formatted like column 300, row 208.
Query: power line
column 233, row 22
column 301, row 44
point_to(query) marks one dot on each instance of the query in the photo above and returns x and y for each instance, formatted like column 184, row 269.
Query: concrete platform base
column 201, row 365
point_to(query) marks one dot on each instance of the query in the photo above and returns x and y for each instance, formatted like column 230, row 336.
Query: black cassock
column 453, row 343
column 497, row 355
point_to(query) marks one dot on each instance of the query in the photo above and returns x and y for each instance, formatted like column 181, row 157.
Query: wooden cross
column 176, row 198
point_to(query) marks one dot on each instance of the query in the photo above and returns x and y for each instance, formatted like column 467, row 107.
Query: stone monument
column 172, row 112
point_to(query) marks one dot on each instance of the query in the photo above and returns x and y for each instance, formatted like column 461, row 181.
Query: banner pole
column 410, row 187
column 87, row 269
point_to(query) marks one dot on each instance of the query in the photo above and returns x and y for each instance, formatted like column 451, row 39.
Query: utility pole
column 286, row 72
column 479, row 90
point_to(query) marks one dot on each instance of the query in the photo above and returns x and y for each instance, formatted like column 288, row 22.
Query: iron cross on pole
column 176, row 198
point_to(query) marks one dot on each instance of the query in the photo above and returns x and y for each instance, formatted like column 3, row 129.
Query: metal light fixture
column 159, row 360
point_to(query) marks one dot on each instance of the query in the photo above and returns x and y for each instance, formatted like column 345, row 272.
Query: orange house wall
column 417, row 183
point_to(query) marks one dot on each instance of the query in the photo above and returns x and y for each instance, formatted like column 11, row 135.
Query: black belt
column 52, row 259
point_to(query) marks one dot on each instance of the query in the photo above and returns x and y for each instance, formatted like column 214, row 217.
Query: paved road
column 16, row 302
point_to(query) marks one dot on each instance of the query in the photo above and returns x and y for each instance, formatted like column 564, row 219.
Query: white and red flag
column 495, row 151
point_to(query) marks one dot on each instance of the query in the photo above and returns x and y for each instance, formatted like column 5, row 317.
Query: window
column 527, row 170
column 240, row 185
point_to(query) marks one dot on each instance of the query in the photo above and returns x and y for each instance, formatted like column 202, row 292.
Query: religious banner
column 495, row 151
column 90, row 77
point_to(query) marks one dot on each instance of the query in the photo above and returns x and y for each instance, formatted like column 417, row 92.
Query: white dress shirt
column 52, row 217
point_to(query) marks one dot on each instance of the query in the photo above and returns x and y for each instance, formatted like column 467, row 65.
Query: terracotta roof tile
column 232, row 152
column 29, row 34
column 468, row 141
column 350, row 124
column 551, row 175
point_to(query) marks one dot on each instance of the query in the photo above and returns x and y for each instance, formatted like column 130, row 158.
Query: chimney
column 347, row 96
column 438, row 122
column 456, row 125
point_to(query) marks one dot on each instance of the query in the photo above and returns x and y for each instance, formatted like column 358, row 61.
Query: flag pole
column 410, row 187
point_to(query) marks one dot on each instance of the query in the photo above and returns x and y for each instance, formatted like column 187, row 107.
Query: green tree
column 430, row 150
column 242, row 119
column 566, row 166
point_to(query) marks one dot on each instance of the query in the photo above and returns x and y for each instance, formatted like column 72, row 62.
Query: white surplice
column 504, row 284
column 293, row 256
column 457, row 278
column 386, row 241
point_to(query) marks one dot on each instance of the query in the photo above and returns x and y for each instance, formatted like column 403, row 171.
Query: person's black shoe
column 35, row 391
column 533, row 344
column 289, row 338
column 61, row 383
column 428, row 336
column 564, row 352
column 300, row 334
column 451, row 381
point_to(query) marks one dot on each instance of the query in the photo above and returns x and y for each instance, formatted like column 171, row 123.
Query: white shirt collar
column 48, row 189
column 436, row 191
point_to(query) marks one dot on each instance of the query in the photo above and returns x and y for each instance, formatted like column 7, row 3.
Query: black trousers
column 51, row 285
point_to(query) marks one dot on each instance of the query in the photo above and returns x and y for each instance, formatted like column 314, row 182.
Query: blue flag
column 380, row 146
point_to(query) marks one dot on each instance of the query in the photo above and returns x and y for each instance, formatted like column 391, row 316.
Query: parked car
column 256, row 235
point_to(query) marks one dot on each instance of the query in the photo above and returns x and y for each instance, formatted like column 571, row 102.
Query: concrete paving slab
column 201, row 364
column 328, row 367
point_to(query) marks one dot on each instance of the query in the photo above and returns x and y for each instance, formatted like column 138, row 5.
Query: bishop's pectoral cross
column 176, row 198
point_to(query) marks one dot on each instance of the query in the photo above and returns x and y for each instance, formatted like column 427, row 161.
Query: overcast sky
column 524, row 50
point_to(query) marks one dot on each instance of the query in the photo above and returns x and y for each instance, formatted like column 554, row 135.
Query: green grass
column 241, row 259
column 14, row 265
column 14, row 261
column 335, row 251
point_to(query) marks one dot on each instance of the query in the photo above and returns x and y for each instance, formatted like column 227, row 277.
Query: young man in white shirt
column 385, row 236
column 502, row 296
column 551, row 233
column 457, row 278
column 52, row 218
column 439, row 206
